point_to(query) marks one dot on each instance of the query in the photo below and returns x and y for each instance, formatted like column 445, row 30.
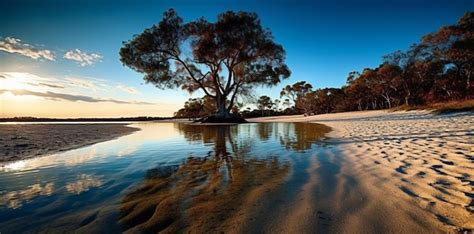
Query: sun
column 17, row 81
column 12, row 85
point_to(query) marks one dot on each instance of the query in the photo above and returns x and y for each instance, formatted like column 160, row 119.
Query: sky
column 60, row 58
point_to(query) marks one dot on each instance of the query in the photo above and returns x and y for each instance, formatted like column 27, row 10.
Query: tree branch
column 194, row 78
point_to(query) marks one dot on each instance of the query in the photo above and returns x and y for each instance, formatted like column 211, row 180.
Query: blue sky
column 323, row 40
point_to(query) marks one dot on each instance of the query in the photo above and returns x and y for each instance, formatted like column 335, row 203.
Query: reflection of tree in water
column 218, row 135
column 203, row 194
column 300, row 136
column 293, row 136
column 265, row 130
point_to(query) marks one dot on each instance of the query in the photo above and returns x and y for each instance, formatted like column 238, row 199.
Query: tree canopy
column 223, row 59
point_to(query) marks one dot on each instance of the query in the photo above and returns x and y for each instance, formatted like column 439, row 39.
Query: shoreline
column 26, row 141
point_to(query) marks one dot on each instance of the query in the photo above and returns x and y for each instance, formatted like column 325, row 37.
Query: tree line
column 437, row 69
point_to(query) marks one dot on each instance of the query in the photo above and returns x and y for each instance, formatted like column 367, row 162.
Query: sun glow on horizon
column 19, row 81
column 26, row 94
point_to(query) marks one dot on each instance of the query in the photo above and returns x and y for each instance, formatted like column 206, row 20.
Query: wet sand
column 23, row 141
column 397, row 172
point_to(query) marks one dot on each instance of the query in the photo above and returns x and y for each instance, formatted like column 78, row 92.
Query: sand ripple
column 421, row 162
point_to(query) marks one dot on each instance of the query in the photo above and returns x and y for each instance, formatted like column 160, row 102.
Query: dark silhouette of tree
column 223, row 59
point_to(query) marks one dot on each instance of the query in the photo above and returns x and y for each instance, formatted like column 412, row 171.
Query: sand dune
column 410, row 171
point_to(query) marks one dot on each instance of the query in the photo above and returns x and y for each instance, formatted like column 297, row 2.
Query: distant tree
column 369, row 82
column 276, row 103
column 264, row 103
column 193, row 108
column 307, row 102
column 419, row 69
column 454, row 46
column 296, row 93
column 325, row 100
column 388, row 82
column 228, row 57
column 357, row 88
column 286, row 103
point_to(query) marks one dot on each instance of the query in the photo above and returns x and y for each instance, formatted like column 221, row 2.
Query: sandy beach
column 397, row 172
column 23, row 141
column 409, row 171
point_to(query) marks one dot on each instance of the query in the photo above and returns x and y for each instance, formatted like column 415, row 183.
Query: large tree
column 223, row 59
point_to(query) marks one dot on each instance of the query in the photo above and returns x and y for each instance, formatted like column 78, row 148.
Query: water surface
column 166, row 177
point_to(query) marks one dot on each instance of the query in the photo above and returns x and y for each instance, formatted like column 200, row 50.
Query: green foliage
column 264, row 102
column 229, row 57
column 438, row 69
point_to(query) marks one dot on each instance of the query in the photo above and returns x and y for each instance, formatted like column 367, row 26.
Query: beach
column 24, row 141
column 401, row 172
column 374, row 172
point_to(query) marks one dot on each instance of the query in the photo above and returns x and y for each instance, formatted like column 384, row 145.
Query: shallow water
column 168, row 176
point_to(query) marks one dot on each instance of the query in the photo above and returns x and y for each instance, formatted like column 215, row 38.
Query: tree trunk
column 468, row 94
column 407, row 98
column 387, row 98
column 222, row 115
column 221, row 108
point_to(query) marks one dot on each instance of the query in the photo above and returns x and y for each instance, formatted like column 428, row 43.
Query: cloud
column 21, row 80
column 50, row 85
column 83, row 58
column 128, row 89
column 14, row 45
column 91, row 84
column 69, row 97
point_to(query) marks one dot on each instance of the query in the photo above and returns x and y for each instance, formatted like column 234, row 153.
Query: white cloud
column 83, row 58
column 89, row 83
column 128, row 89
column 15, row 45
